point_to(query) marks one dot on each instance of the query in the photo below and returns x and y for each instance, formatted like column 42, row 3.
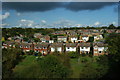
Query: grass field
column 27, row 62
column 77, row 66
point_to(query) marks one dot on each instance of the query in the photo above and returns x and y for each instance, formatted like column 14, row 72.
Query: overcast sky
column 59, row 14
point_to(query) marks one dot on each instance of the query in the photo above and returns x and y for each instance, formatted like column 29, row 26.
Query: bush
column 73, row 55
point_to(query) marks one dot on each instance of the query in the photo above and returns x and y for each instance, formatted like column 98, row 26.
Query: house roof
column 71, row 44
column 45, row 37
column 84, row 44
column 100, row 44
column 84, row 35
column 56, row 45
column 61, row 36
column 9, row 42
column 41, row 45
column 73, row 36
column 25, row 44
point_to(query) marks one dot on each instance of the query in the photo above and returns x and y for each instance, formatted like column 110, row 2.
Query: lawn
column 77, row 65
column 27, row 62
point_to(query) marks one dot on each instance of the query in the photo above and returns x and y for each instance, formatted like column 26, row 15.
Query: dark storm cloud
column 45, row 6
column 31, row 6
column 88, row 5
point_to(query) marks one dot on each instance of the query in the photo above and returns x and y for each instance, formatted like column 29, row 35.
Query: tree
column 92, row 67
column 73, row 55
column 36, row 40
column 113, row 41
column 51, row 67
column 11, row 57
column 111, row 27
column 46, row 67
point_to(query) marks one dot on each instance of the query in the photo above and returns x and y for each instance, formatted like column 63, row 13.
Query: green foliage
column 47, row 67
column 113, row 41
column 94, row 71
column 11, row 57
column 47, row 31
column 52, row 68
column 73, row 55
column 25, row 38
column 111, row 27
column 36, row 40
column 91, row 39
column 88, row 68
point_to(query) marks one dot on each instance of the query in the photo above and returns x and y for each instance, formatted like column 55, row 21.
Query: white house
column 62, row 38
column 98, row 37
column 99, row 49
column 73, row 39
column 71, row 47
column 84, row 48
column 56, row 47
column 51, row 41
column 85, row 38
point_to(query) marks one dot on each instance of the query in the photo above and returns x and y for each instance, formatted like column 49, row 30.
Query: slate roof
column 84, row 44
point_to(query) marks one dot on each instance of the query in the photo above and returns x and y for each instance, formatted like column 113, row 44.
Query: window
column 44, row 47
column 95, row 47
column 68, row 47
column 82, row 47
column 20, row 46
column 26, row 46
column 37, row 51
column 73, row 47
column 95, row 51
column 100, row 51
column 36, row 47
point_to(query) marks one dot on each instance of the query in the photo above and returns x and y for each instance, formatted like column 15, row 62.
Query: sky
column 58, row 14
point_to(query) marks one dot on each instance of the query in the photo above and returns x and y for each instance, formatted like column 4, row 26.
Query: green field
column 27, row 62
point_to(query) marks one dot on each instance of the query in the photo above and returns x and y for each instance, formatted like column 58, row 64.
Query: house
column 84, row 48
column 8, row 44
column 42, row 48
column 71, row 47
column 73, row 39
column 85, row 38
column 18, row 40
column 56, row 47
column 62, row 38
column 37, row 35
column 99, row 49
column 26, row 47
column 118, row 31
column 59, row 32
column 71, row 32
column 110, row 30
column 45, row 38
column 51, row 41
column 97, row 37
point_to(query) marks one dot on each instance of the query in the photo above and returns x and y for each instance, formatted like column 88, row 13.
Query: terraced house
column 62, row 38
column 42, row 48
column 99, row 49
column 84, row 48
column 71, row 47
column 26, row 47
column 56, row 47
